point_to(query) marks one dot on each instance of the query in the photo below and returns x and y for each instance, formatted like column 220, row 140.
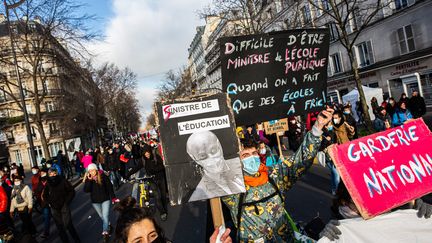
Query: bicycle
column 146, row 192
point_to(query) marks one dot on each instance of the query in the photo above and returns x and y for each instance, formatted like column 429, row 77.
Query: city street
column 188, row 223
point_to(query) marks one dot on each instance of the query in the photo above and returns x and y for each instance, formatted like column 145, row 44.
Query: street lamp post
column 21, row 90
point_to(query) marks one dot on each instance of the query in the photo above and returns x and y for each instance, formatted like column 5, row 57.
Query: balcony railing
column 27, row 94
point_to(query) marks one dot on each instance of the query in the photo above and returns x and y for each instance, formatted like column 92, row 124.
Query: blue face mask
column 346, row 112
column 251, row 164
column 330, row 128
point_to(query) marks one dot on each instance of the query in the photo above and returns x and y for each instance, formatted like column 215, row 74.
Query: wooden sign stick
column 279, row 145
column 217, row 215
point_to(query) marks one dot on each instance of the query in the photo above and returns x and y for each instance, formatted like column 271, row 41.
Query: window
column 336, row 63
column 334, row 35
column 54, row 148
column 53, row 129
column 406, row 39
column 33, row 131
column 400, row 4
column 306, row 14
column 38, row 153
column 365, row 54
column 373, row 85
column 2, row 94
column 49, row 106
column 18, row 157
column 24, row 86
column 45, row 86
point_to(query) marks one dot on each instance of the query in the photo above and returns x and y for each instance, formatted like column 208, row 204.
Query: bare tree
column 124, row 111
column 42, row 30
column 351, row 18
column 150, row 121
column 174, row 85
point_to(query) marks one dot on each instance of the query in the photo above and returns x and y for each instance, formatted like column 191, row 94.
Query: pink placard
column 386, row 169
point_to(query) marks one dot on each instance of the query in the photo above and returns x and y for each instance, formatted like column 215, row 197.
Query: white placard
column 188, row 109
column 206, row 124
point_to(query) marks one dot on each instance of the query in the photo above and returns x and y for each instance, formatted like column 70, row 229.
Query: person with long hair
column 101, row 194
column 136, row 224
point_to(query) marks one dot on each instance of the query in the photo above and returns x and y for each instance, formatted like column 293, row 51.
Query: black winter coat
column 99, row 193
column 58, row 192
column 417, row 106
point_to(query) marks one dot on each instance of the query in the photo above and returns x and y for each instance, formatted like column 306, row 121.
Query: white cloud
column 150, row 37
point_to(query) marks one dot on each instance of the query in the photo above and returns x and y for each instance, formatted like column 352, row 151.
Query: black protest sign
column 200, row 149
column 275, row 75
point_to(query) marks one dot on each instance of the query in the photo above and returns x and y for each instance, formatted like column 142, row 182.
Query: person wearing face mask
column 266, row 155
column 59, row 194
column 350, row 119
column 342, row 129
column 136, row 224
column 35, row 177
column 259, row 214
column 101, row 194
column 151, row 164
column 401, row 115
column 13, row 172
column 46, row 212
column 329, row 138
column 22, row 203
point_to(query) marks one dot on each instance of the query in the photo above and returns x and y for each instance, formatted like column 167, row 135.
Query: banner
column 200, row 149
column 398, row 226
column 275, row 75
column 276, row 126
column 386, row 169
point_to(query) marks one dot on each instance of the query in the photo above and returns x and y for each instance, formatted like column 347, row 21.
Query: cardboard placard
column 275, row 75
column 200, row 149
column 387, row 169
column 276, row 126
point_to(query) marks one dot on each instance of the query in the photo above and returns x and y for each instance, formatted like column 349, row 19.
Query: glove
column 331, row 231
column 424, row 209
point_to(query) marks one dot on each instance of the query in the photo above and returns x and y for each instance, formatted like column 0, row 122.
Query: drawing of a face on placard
column 221, row 176
column 205, row 149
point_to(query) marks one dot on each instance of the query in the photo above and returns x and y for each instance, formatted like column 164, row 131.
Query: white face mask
column 48, row 165
column 34, row 172
column 263, row 151
column 293, row 121
column 17, row 183
column 13, row 171
column 336, row 121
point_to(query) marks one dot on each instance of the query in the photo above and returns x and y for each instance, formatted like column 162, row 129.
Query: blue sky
column 149, row 36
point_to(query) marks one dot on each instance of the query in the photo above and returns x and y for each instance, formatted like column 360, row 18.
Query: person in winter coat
column 112, row 166
column 101, row 193
column 46, row 212
column 329, row 138
column 266, row 155
column 22, row 203
column 59, row 194
column 382, row 120
column 391, row 107
column 259, row 214
column 374, row 104
column 403, row 99
column 35, row 177
column 342, row 129
column 350, row 119
column 4, row 215
column 4, row 176
column 87, row 159
column 152, row 164
column 417, row 105
column 294, row 133
column 401, row 115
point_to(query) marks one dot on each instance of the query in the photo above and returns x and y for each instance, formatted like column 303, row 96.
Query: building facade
column 393, row 52
column 57, row 91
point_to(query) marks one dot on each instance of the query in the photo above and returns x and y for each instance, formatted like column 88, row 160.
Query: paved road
column 188, row 223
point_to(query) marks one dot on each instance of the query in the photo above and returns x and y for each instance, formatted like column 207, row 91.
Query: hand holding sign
column 324, row 117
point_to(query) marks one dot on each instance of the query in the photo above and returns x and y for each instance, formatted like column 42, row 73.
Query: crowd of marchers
column 258, row 215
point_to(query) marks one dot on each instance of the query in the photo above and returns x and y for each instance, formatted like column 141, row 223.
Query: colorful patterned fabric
column 266, row 221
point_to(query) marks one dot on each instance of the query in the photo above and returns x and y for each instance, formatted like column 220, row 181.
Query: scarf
column 17, row 193
column 260, row 178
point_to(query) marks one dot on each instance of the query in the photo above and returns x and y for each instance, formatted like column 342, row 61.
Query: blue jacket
column 400, row 117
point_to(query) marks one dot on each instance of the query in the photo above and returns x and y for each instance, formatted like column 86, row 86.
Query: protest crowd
column 259, row 213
